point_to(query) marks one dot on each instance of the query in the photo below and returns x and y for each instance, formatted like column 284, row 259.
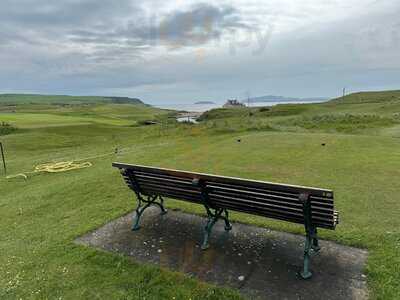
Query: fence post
column 4, row 159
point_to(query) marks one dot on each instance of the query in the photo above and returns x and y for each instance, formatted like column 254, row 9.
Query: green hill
column 63, row 99
column 369, row 97
column 24, row 111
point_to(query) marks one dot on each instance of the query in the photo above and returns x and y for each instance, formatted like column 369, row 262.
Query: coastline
column 205, row 107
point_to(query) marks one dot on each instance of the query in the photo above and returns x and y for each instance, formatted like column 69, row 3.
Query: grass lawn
column 40, row 116
column 42, row 216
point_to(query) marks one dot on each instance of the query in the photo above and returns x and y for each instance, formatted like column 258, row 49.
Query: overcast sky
column 186, row 51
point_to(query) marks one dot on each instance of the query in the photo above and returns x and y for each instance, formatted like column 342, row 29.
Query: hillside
column 40, row 111
column 10, row 99
column 369, row 97
column 360, row 113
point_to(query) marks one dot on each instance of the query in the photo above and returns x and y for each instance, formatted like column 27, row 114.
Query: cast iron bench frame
column 310, row 206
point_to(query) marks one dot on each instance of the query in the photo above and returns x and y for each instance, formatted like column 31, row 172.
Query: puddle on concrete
column 260, row 263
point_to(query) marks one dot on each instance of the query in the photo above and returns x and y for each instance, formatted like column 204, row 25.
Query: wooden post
column 4, row 159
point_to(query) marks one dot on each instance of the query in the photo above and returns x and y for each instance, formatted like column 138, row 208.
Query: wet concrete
column 260, row 263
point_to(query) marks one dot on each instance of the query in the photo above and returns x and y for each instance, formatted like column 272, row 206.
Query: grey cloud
column 43, row 21
column 199, row 25
column 115, row 32
column 41, row 13
column 105, row 49
column 195, row 26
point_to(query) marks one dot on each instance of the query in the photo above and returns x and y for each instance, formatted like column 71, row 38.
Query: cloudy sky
column 185, row 51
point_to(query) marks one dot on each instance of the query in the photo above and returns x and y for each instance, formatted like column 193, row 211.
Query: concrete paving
column 260, row 263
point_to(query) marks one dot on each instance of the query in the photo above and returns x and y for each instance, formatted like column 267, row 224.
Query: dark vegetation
column 124, row 100
column 6, row 128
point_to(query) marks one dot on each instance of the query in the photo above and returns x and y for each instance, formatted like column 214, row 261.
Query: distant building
column 233, row 103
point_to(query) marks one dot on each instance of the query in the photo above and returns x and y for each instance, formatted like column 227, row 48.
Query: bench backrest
column 273, row 200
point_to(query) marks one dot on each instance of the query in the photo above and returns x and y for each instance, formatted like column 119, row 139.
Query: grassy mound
column 345, row 123
column 369, row 97
column 256, row 112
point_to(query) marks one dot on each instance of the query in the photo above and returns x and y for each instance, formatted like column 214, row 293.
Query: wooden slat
column 290, row 202
column 163, row 179
column 229, row 180
column 273, row 200
column 165, row 176
column 326, row 205
column 182, row 187
column 173, row 193
column 292, row 195
column 168, row 184
column 169, row 188
column 270, row 198
column 162, row 182
column 266, row 205
column 275, row 210
column 274, row 216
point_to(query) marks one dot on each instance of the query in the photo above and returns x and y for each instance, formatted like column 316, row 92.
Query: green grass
column 346, row 123
column 42, row 216
column 369, row 97
column 35, row 116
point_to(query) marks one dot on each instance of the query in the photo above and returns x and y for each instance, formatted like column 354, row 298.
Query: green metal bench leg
column 207, row 230
column 306, row 274
column 161, row 205
column 228, row 225
column 310, row 244
column 311, row 235
column 315, row 244
column 140, row 210
column 213, row 216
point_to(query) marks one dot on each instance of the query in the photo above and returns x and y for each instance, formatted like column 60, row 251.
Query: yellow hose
column 59, row 167
column 65, row 166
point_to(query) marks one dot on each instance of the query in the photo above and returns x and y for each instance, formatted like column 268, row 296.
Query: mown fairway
column 40, row 217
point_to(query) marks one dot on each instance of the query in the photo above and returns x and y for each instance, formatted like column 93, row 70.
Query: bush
column 144, row 123
column 6, row 128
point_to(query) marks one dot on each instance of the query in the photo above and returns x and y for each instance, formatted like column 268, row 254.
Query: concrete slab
column 260, row 263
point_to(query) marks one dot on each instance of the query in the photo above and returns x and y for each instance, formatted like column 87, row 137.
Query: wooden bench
column 312, row 207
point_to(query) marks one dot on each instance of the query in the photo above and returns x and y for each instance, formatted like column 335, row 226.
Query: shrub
column 6, row 128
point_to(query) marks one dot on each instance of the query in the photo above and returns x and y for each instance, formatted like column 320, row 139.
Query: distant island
column 273, row 98
column 204, row 102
